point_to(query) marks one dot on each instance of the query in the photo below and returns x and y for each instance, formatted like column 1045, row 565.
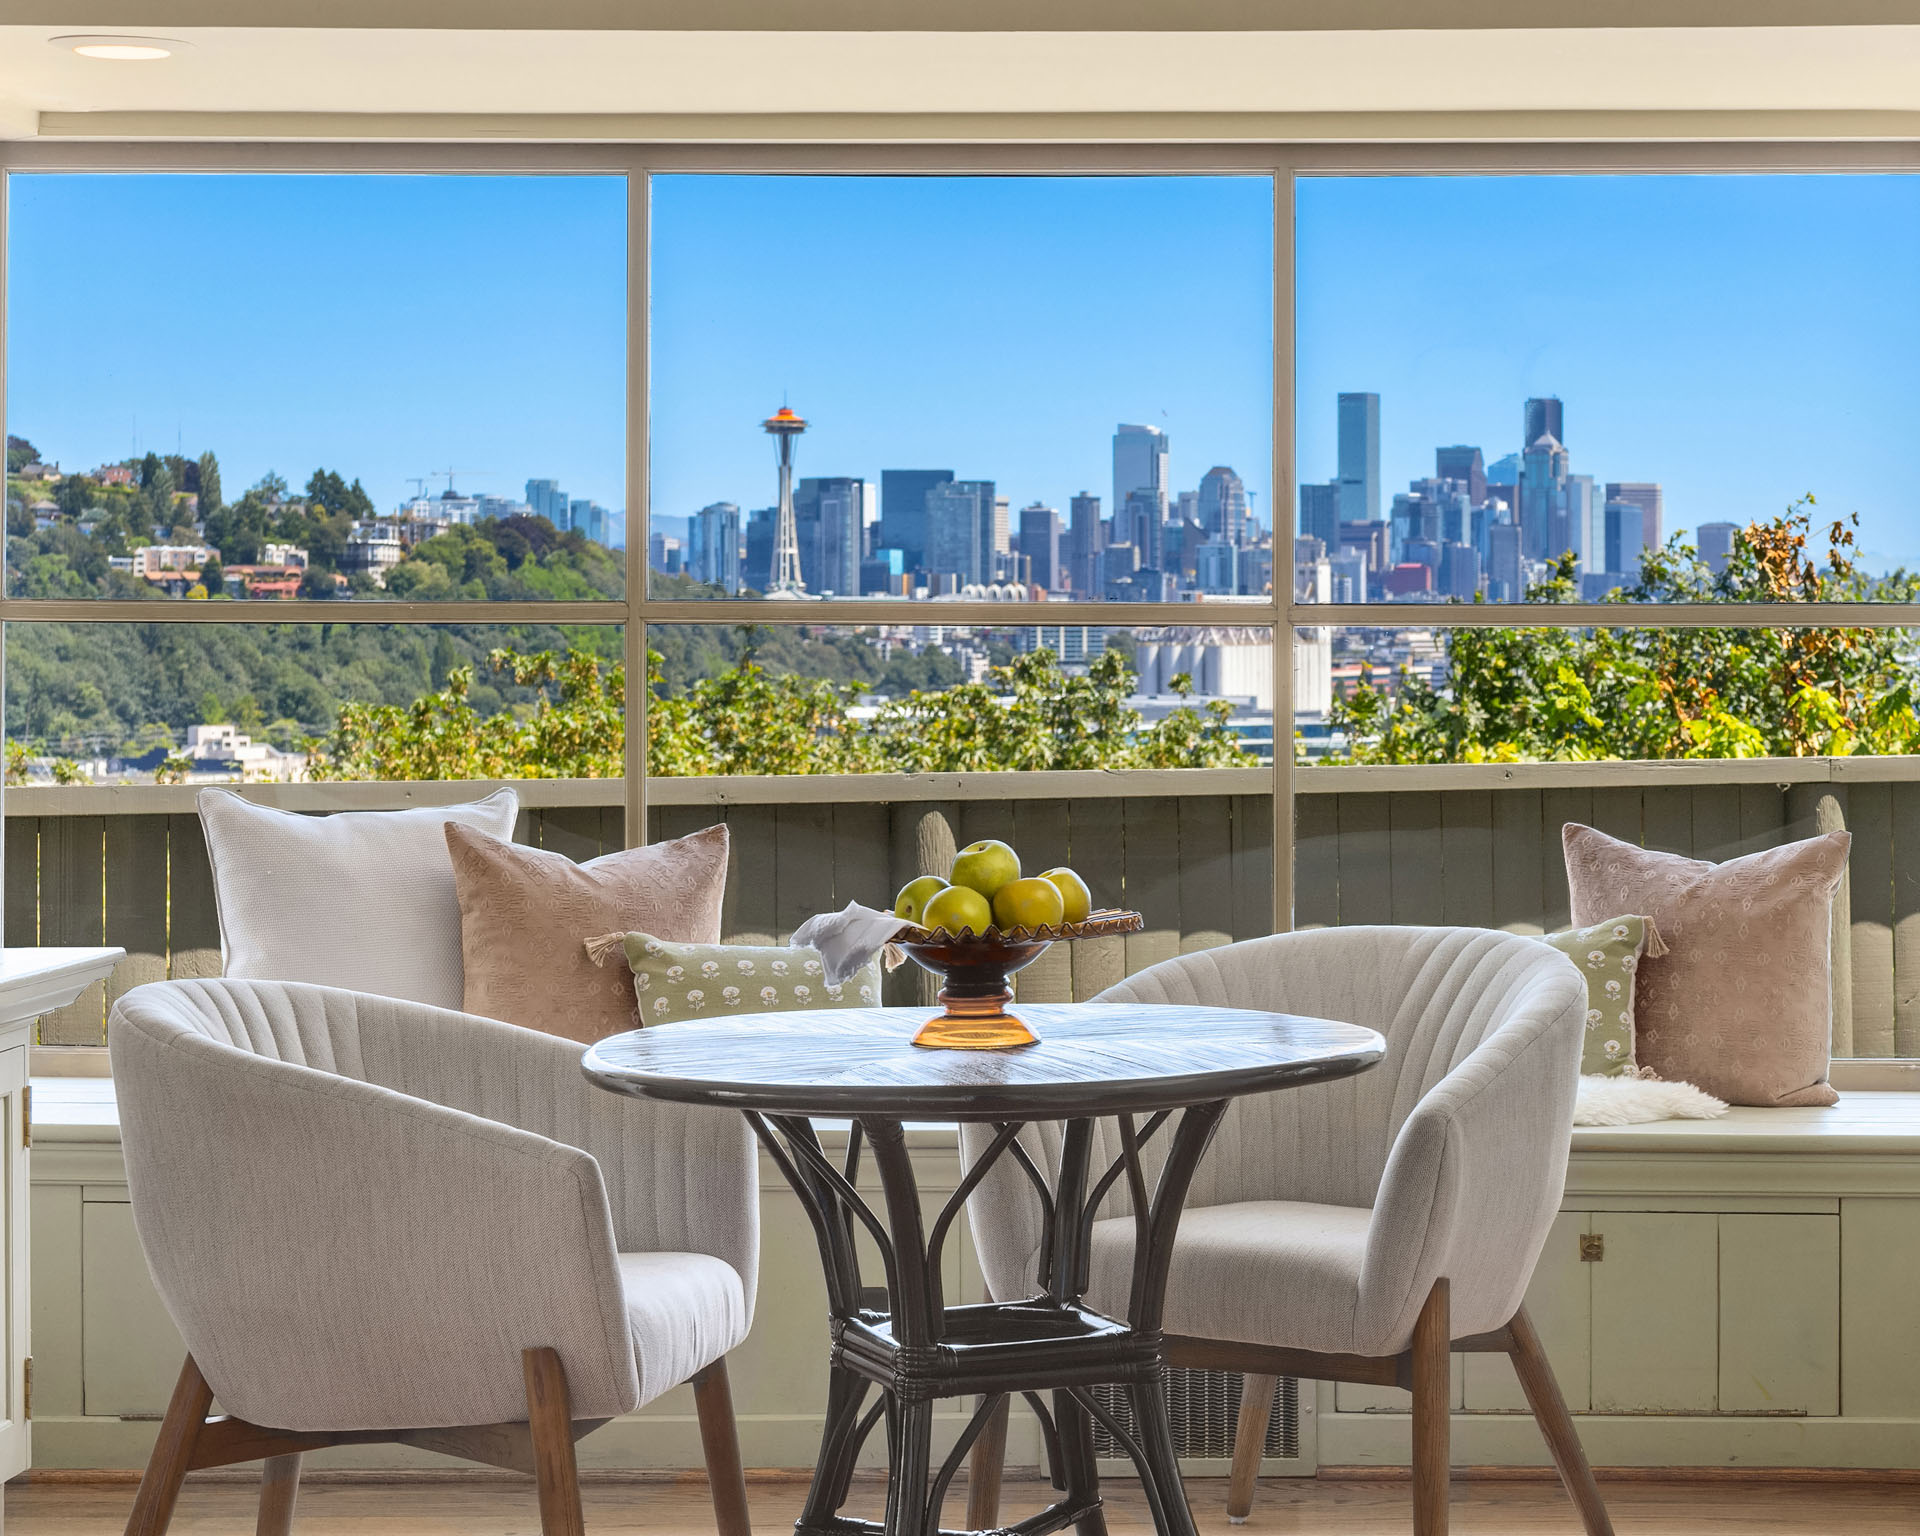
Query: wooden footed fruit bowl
column 976, row 967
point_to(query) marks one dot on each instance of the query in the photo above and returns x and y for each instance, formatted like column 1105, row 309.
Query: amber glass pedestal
column 976, row 968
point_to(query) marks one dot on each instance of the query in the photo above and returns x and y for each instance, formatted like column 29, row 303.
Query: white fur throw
column 1629, row 1100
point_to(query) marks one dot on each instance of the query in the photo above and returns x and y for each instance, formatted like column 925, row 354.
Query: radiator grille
column 1204, row 1407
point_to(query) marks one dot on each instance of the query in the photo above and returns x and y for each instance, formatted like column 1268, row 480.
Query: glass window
column 1554, row 388
column 927, row 386
column 260, row 387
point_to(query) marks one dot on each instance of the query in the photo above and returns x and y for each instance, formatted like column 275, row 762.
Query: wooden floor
column 1285, row 1508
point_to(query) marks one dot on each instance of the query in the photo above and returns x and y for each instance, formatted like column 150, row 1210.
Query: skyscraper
column 1359, row 458
column 903, row 510
column 713, row 546
column 829, row 515
column 960, row 530
column 1714, row 544
column 1462, row 462
column 1545, row 418
column 1647, row 496
column 1040, row 543
column 1140, row 458
column 756, row 569
column 1222, row 513
column 1320, row 512
column 1626, row 536
column 1140, row 520
column 1086, row 537
column 547, row 500
column 1542, row 498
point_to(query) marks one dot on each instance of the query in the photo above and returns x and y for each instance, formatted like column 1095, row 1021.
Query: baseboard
column 1899, row 1475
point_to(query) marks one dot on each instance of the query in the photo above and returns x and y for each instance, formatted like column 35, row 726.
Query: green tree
column 209, row 484
column 213, row 577
column 20, row 453
column 1561, row 694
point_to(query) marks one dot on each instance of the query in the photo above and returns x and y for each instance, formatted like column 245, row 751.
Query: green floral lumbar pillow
column 704, row 981
column 1609, row 956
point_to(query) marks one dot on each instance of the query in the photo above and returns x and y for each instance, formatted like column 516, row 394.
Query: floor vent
column 1204, row 1407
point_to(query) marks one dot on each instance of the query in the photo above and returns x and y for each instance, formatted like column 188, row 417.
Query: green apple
column 985, row 866
column 958, row 910
column 1074, row 894
column 1032, row 903
column 915, row 895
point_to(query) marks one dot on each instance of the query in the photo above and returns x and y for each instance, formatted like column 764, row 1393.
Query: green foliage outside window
column 1029, row 714
column 1571, row 695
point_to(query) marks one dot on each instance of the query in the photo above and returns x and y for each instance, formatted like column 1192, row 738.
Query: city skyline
column 1734, row 338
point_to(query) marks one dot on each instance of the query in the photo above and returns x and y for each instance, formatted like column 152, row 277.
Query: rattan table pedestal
column 1154, row 1070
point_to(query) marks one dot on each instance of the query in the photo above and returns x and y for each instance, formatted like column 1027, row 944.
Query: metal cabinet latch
column 1593, row 1247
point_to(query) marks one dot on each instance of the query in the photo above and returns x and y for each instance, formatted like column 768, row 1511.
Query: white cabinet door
column 1779, row 1314
column 1656, row 1306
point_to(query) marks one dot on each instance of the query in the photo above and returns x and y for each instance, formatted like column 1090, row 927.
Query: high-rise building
column 830, row 518
column 1002, row 526
column 1086, row 537
column 1040, row 543
column 1222, row 505
column 1320, row 512
column 713, row 546
column 1626, row 537
column 1715, row 544
column 1118, row 562
column 903, row 510
column 1586, row 522
column 1215, row 567
column 1374, row 537
column 1414, row 516
column 1506, row 564
column 1459, row 571
column 547, row 500
column 1139, row 521
column 1462, row 462
column 1647, row 496
column 664, row 553
column 960, row 530
column 589, row 518
column 1544, row 418
column 1542, row 493
column 1140, row 463
column 1359, row 422
column 756, row 567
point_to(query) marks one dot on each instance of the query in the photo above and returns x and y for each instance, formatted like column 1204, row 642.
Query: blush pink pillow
column 526, row 916
column 1741, row 1004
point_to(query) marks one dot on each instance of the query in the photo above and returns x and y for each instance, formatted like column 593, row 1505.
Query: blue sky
column 386, row 327
column 997, row 327
column 1742, row 340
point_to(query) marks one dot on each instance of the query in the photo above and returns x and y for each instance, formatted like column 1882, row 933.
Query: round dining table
column 1153, row 1070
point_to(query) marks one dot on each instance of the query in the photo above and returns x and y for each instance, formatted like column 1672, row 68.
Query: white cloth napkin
column 848, row 939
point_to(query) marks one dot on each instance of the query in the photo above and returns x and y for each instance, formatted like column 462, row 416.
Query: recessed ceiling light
column 107, row 46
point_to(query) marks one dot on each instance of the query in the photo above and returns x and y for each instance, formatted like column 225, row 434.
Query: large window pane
column 1527, row 387
column 1055, row 385
column 110, row 703
column 258, row 387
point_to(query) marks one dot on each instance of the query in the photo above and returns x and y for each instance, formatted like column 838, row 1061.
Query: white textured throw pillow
column 360, row 899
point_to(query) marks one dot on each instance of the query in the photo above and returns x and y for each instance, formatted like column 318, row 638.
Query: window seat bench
column 1733, row 1292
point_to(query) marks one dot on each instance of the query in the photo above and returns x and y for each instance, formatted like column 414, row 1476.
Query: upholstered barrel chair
column 1354, row 1230
column 377, row 1220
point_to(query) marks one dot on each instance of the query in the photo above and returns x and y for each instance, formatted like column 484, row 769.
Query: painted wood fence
column 1193, row 851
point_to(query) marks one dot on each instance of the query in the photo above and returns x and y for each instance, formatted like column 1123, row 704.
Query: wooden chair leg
column 1537, row 1380
column 1249, row 1443
column 167, row 1466
column 1432, row 1414
column 985, row 1464
column 279, row 1487
column 550, row 1419
column 720, row 1441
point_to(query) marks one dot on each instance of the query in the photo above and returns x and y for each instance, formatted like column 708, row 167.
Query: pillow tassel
column 1656, row 946
column 603, row 947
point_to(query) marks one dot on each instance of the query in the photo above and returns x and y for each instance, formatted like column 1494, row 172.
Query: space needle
column 783, row 426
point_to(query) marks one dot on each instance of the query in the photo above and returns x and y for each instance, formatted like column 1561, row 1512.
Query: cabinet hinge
column 26, row 1115
column 1593, row 1247
column 26, row 1404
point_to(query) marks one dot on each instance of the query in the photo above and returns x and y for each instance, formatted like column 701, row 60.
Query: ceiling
column 421, row 68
